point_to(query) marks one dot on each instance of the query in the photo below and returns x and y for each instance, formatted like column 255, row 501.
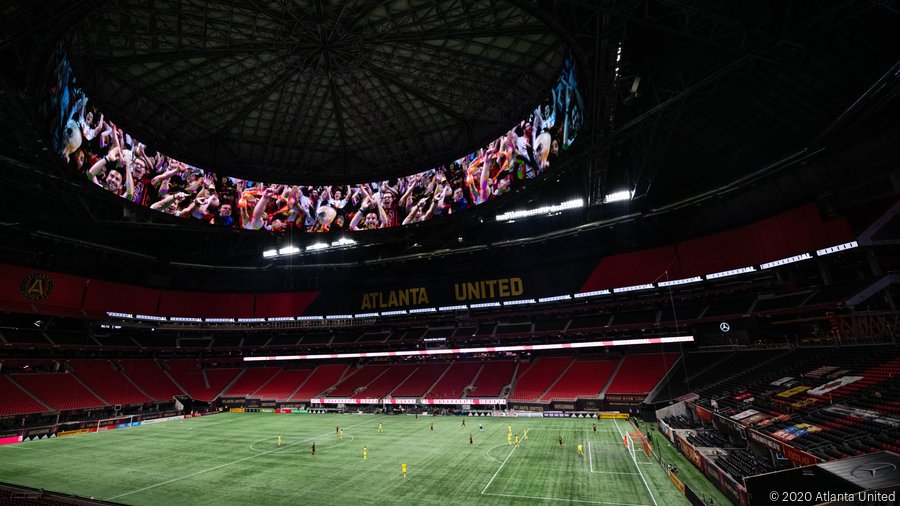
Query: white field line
column 487, row 452
column 173, row 480
column 539, row 429
column 563, row 500
column 590, row 457
column 499, row 468
column 638, row 468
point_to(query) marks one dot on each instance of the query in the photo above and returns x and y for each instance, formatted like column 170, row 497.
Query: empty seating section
column 708, row 439
column 744, row 383
column 29, row 365
column 452, row 384
column 875, row 375
column 780, row 302
column 17, row 336
column 639, row 373
column 282, row 341
column 585, row 378
column 249, row 382
column 492, row 378
column 14, row 401
column 680, row 422
column 322, row 378
column 681, row 312
column 439, row 332
column 415, row 334
column 841, row 421
column 384, row 384
column 742, row 463
column 218, row 380
column 593, row 321
column 395, row 336
column 697, row 362
column 840, row 433
column 147, row 375
column 556, row 325
column 283, row 384
column 115, row 341
column 508, row 329
column 228, row 341
column 109, row 383
column 465, row 331
column 647, row 315
column 373, row 337
column 738, row 362
column 59, row 390
column 692, row 364
column 342, row 338
column 420, row 381
column 734, row 305
column 188, row 375
column 538, row 378
column 835, row 293
column 184, row 342
column 357, row 378
column 315, row 339
column 79, row 339
column 738, row 462
column 154, row 341
column 484, row 330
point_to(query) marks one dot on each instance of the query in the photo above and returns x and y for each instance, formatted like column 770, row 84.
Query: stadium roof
column 712, row 113
column 321, row 90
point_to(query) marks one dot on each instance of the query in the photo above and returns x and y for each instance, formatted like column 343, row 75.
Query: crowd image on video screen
column 95, row 148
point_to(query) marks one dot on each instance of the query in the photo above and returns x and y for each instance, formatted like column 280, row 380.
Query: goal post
column 112, row 423
column 637, row 445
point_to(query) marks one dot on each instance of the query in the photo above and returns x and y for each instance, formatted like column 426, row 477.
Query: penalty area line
column 499, row 468
column 585, row 501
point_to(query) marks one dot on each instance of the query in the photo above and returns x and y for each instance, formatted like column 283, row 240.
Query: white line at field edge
column 637, row 467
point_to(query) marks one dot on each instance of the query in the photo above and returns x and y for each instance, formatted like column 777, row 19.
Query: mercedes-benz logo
column 874, row 470
column 724, row 327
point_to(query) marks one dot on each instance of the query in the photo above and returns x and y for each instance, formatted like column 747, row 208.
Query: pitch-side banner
column 343, row 400
column 471, row 402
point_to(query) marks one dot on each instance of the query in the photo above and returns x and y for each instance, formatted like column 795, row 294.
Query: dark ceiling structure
column 316, row 91
column 713, row 113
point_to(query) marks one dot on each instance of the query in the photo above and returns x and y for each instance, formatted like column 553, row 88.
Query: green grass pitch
column 232, row 458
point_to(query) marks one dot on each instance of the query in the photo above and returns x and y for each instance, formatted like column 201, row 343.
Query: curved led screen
column 96, row 149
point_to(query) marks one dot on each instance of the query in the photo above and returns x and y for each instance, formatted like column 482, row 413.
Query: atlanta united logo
column 36, row 286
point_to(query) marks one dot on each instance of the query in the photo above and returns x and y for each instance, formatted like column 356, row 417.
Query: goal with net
column 638, row 447
column 114, row 423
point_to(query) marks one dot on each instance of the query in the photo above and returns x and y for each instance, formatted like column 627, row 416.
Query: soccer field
column 232, row 458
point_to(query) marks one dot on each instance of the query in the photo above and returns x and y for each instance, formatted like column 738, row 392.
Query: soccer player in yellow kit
column 365, row 453
column 517, row 440
column 341, row 434
column 509, row 438
column 279, row 441
column 580, row 451
column 403, row 470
